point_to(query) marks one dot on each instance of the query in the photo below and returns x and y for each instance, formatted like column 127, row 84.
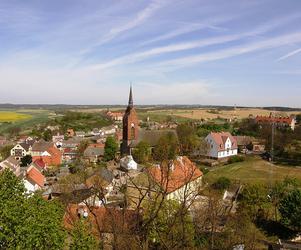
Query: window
column 132, row 135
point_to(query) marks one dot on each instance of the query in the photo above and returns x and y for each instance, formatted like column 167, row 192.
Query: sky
column 205, row 52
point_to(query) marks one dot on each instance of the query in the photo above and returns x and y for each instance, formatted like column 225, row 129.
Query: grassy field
column 253, row 170
column 10, row 116
column 30, row 119
column 161, row 116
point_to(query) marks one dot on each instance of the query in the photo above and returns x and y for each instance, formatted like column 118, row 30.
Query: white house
column 12, row 164
column 109, row 130
column 128, row 163
column 182, row 182
column 33, row 180
column 21, row 149
column 58, row 140
column 221, row 145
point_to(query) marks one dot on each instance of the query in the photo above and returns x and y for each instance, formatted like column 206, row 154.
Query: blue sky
column 243, row 52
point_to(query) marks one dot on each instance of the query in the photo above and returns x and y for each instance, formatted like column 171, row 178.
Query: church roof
column 151, row 136
column 131, row 102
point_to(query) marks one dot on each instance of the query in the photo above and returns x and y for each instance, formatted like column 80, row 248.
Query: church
column 130, row 125
column 133, row 134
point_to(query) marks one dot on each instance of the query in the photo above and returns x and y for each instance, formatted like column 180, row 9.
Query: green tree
column 41, row 227
column 5, row 151
column 280, row 190
column 188, row 138
column 111, row 148
column 240, row 230
column 47, row 135
column 254, row 199
column 172, row 227
column 298, row 118
column 167, row 148
column 290, row 209
column 141, row 153
column 28, row 222
column 82, row 238
column 26, row 160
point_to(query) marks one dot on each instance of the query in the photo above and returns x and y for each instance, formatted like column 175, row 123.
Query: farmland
column 10, row 116
column 207, row 113
column 24, row 119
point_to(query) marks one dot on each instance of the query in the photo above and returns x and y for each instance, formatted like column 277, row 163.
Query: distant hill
column 155, row 107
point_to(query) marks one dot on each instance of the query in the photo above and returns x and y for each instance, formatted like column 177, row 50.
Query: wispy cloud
column 191, row 27
column 139, row 18
column 289, row 55
column 134, row 57
column 234, row 51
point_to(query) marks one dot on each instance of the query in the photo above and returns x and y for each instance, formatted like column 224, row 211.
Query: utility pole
column 272, row 149
column 273, row 135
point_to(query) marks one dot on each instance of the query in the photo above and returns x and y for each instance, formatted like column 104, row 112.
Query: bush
column 222, row 183
column 290, row 209
column 235, row 158
column 204, row 170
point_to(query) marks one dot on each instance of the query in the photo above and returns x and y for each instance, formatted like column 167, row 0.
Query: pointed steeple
column 131, row 103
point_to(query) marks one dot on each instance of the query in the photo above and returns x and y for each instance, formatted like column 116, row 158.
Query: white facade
column 221, row 145
column 30, row 187
column 128, row 163
column 110, row 130
column 18, row 151
column 186, row 192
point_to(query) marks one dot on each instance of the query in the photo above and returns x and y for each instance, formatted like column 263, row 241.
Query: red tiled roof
column 270, row 119
column 182, row 172
column 221, row 138
column 40, row 163
column 104, row 220
column 96, row 145
column 114, row 114
column 35, row 176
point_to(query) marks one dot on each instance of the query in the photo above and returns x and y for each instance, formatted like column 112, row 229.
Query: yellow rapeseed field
column 7, row 116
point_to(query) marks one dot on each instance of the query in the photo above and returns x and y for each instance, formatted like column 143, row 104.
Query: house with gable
column 108, row 130
column 115, row 116
column 22, row 149
column 94, row 152
column 47, row 152
column 33, row 179
column 180, row 181
column 12, row 164
column 278, row 121
column 221, row 145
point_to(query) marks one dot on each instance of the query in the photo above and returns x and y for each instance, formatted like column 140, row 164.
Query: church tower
column 130, row 126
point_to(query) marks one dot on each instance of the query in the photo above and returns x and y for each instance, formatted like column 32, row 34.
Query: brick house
column 47, row 152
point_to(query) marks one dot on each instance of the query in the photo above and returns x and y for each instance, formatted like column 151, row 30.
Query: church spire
column 131, row 103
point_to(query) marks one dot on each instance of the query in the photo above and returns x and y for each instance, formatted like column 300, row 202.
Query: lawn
column 9, row 116
column 253, row 170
